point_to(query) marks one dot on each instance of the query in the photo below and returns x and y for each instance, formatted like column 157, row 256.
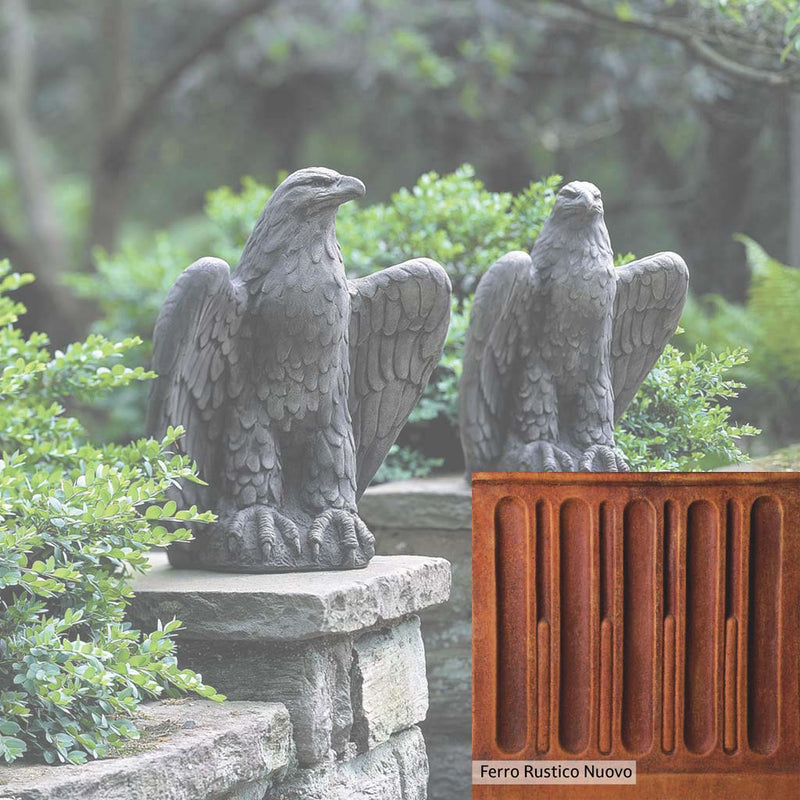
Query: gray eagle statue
column 559, row 342
column 291, row 383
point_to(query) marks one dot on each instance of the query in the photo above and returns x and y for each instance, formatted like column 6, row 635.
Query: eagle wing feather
column 490, row 354
column 194, row 355
column 398, row 325
column 650, row 296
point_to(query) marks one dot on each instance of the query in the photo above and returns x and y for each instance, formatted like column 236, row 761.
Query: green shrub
column 457, row 221
column 75, row 521
column 676, row 422
column 768, row 326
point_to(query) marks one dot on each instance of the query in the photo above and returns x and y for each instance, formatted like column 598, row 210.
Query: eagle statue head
column 314, row 190
column 301, row 210
column 578, row 200
column 576, row 222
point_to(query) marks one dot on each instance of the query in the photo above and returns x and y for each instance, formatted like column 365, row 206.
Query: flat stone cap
column 189, row 749
column 441, row 503
column 289, row 606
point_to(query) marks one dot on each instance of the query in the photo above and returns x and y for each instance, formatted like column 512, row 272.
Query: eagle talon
column 541, row 456
column 603, row 458
column 261, row 524
column 351, row 532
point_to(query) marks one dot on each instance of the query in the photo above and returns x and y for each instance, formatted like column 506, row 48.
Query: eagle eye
column 569, row 193
column 316, row 181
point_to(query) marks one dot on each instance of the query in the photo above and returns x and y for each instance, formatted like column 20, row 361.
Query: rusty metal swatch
column 647, row 616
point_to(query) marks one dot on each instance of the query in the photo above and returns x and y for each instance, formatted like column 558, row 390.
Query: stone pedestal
column 432, row 517
column 342, row 651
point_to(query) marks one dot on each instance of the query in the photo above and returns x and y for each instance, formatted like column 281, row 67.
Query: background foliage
column 75, row 520
column 117, row 115
column 768, row 325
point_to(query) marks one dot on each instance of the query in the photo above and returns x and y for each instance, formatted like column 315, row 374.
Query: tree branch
column 122, row 125
column 690, row 38
column 118, row 144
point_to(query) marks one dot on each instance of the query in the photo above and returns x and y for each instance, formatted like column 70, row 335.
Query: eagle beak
column 592, row 205
column 348, row 188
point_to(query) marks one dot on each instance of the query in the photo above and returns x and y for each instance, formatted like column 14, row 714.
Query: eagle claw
column 265, row 523
column 603, row 458
column 350, row 530
column 541, row 456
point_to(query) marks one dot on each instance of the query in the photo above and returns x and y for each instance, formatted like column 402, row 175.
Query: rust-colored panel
column 651, row 616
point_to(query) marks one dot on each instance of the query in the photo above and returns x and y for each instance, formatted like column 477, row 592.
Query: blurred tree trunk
column 718, row 206
column 110, row 170
column 45, row 250
column 793, row 256
column 120, row 121
column 128, row 121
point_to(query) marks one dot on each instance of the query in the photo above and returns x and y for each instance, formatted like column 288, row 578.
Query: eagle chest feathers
column 578, row 278
column 301, row 320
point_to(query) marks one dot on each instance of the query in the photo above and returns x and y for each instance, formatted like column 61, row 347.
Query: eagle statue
column 559, row 342
column 291, row 383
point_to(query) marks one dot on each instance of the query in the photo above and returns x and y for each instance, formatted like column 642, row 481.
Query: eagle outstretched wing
column 490, row 353
column 650, row 296
column 398, row 325
column 195, row 356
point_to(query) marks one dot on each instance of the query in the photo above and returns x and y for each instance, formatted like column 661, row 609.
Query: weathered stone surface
column 308, row 670
column 440, row 503
column 204, row 751
column 389, row 686
column 395, row 770
column 446, row 631
column 287, row 607
column 311, row 679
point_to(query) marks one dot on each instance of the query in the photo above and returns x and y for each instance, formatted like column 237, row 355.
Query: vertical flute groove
column 575, row 641
column 543, row 681
column 729, row 692
column 764, row 629
column 733, row 588
column 700, row 693
column 638, row 658
column 668, row 680
column 543, row 590
column 605, row 700
column 669, row 611
column 511, row 564
column 606, row 673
